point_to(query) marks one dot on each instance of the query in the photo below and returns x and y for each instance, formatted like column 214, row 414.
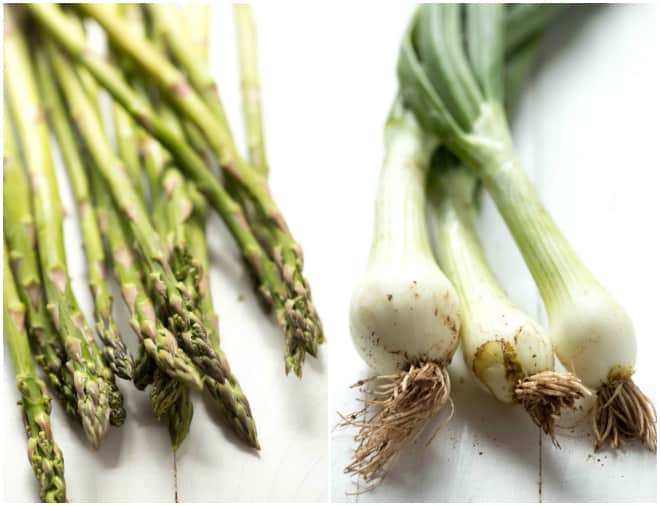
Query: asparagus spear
column 173, row 211
column 114, row 352
column 175, row 39
column 275, row 240
column 250, row 86
column 196, row 237
column 170, row 397
column 94, row 382
column 44, row 454
column 127, row 145
column 20, row 237
column 295, row 316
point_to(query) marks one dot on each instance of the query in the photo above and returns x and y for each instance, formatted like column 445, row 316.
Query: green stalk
column 196, row 27
column 165, row 387
column 114, row 352
column 93, row 380
column 43, row 453
column 178, row 209
column 296, row 316
column 127, row 145
column 197, row 31
column 196, row 236
column 197, row 17
column 250, row 86
column 19, row 232
column 167, row 27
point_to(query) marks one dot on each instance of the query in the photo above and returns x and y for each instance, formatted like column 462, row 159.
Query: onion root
column 399, row 407
column 545, row 394
column 623, row 413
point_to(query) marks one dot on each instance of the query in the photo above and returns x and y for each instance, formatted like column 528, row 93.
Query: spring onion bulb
column 591, row 333
column 404, row 314
column 507, row 351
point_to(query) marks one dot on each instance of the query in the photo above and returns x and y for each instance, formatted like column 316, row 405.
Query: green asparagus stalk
column 127, row 145
column 250, row 86
column 196, row 29
column 296, row 317
column 169, row 397
column 165, row 20
column 93, row 380
column 196, row 237
column 179, row 411
column 176, row 204
column 114, row 352
column 44, row 454
column 20, row 236
column 274, row 239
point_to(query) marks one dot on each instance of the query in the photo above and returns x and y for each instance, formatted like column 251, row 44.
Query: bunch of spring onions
column 170, row 131
column 447, row 135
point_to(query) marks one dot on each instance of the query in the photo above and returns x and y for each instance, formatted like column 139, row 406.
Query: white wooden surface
column 587, row 132
column 135, row 462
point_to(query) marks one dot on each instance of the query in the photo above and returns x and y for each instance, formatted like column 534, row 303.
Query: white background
column 587, row 132
column 135, row 462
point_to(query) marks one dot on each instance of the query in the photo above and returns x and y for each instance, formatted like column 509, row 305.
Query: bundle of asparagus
column 173, row 135
column 255, row 222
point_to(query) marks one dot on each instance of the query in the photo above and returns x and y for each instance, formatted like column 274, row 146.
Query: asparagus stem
column 127, row 145
column 21, row 241
column 250, row 86
column 201, row 79
column 296, row 314
column 232, row 401
column 196, row 28
column 170, row 397
column 43, row 453
column 93, row 380
column 196, row 236
column 114, row 352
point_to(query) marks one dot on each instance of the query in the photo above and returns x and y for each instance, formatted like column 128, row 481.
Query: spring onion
column 404, row 315
column 507, row 351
